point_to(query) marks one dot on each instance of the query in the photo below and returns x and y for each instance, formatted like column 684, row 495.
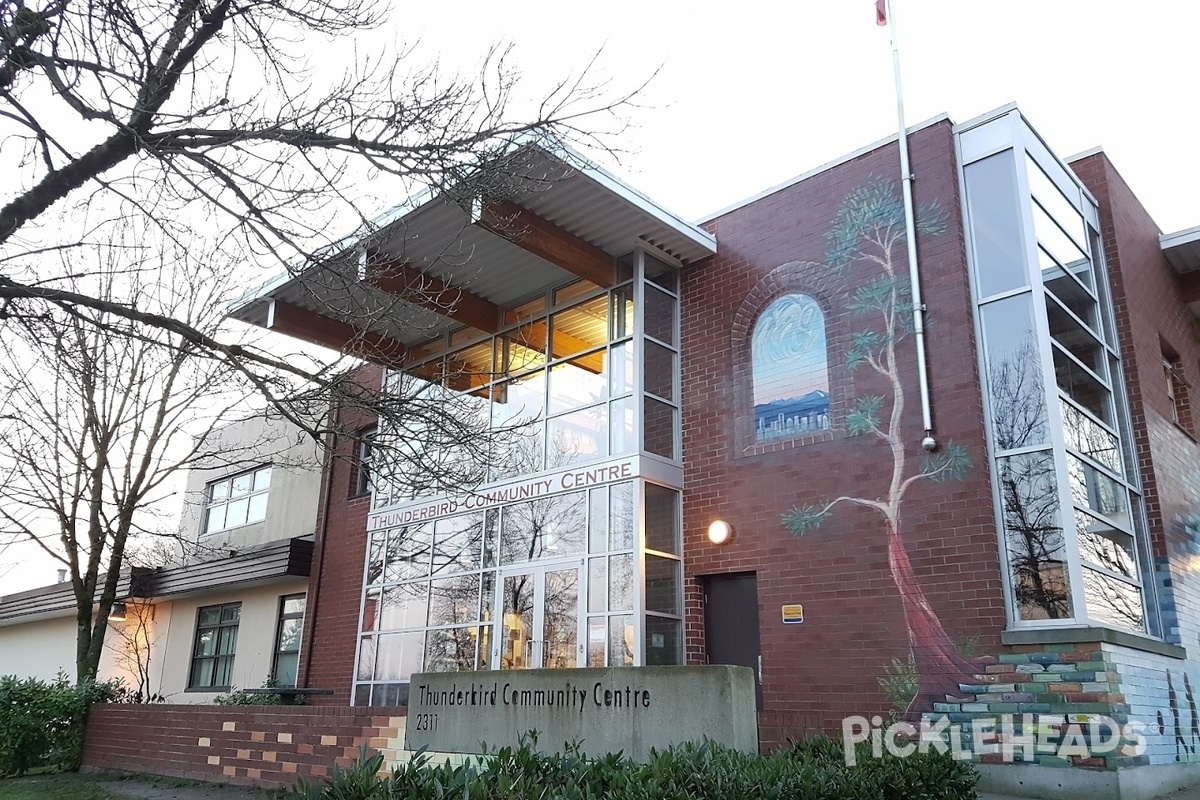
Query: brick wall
column 818, row 672
column 336, row 579
column 1152, row 321
column 256, row 746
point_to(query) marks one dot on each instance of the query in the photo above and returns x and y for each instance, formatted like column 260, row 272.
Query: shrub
column 42, row 724
column 814, row 769
column 238, row 697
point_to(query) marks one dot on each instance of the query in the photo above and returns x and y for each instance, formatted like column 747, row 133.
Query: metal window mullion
column 1115, row 576
column 1099, row 468
column 1075, row 405
column 1101, row 518
column 1023, row 451
column 1054, row 419
column 982, row 360
column 639, row 583
column 1087, row 328
column 1065, row 271
column 1062, row 349
column 994, row 298
column 639, row 354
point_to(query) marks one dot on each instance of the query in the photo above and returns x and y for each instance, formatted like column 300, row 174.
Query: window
column 237, row 500
column 216, row 643
column 790, row 369
column 1177, row 392
column 362, row 462
column 287, row 639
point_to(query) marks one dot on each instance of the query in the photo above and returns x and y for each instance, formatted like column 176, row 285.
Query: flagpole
column 914, row 274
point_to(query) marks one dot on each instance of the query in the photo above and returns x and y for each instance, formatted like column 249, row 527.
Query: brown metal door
column 731, row 623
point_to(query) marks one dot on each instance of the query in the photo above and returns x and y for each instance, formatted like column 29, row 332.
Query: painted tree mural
column 869, row 235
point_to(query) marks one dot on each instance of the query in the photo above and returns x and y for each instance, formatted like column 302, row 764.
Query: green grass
column 67, row 786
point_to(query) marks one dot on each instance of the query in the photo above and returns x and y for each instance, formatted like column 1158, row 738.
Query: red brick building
column 1028, row 556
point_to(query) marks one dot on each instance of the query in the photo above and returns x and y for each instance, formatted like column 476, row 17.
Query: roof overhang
column 257, row 565
column 437, row 263
column 48, row 602
column 1182, row 250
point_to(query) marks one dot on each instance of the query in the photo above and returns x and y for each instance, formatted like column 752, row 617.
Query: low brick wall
column 269, row 746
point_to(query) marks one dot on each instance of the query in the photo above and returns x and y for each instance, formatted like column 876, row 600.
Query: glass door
column 538, row 609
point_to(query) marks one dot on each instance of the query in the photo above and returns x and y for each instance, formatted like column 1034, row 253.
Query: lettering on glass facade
column 790, row 368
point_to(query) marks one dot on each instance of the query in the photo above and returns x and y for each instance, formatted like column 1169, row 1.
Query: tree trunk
column 940, row 667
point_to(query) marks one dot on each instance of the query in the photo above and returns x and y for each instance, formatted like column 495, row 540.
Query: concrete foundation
column 1134, row 783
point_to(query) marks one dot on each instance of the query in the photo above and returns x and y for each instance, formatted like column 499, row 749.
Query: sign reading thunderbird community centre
column 630, row 709
column 499, row 494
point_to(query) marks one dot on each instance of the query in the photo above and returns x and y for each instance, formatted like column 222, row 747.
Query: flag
column 881, row 13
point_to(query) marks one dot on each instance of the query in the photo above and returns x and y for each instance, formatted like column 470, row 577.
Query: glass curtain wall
column 1069, row 508
column 590, row 577
column 662, row 569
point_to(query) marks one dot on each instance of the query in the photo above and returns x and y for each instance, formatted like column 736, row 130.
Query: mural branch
column 869, row 232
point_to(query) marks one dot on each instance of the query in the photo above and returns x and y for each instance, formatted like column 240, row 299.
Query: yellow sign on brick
column 793, row 614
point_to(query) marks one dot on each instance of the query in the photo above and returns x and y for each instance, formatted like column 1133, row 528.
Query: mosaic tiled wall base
column 1094, row 705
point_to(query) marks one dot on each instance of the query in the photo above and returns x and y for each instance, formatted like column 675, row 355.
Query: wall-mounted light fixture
column 720, row 532
column 117, row 613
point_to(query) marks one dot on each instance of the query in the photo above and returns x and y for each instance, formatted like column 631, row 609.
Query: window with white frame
column 237, row 500
column 288, row 633
column 362, row 463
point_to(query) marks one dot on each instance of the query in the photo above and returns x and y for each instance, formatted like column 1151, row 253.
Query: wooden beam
column 562, row 344
column 300, row 323
column 546, row 240
column 415, row 287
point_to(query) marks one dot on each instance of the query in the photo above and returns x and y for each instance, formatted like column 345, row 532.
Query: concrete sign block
column 628, row 709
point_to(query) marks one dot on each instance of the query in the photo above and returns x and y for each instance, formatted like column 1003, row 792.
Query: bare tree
column 133, row 648
column 256, row 122
column 95, row 426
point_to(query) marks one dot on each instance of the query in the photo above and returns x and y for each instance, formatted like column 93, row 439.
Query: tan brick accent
column 195, row 741
column 258, row 736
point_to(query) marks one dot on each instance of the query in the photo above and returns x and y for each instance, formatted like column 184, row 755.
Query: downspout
column 310, row 611
column 910, row 225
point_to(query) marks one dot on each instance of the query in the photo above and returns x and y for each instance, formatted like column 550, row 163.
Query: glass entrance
column 538, row 609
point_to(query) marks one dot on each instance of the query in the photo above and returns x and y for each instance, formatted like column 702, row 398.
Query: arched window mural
column 790, row 369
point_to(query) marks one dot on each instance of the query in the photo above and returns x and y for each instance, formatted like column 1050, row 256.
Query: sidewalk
column 1184, row 794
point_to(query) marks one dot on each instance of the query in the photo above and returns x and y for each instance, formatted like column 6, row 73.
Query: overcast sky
column 749, row 94
column 752, row 93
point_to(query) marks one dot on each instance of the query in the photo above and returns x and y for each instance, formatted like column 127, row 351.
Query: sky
column 745, row 96
column 750, row 94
